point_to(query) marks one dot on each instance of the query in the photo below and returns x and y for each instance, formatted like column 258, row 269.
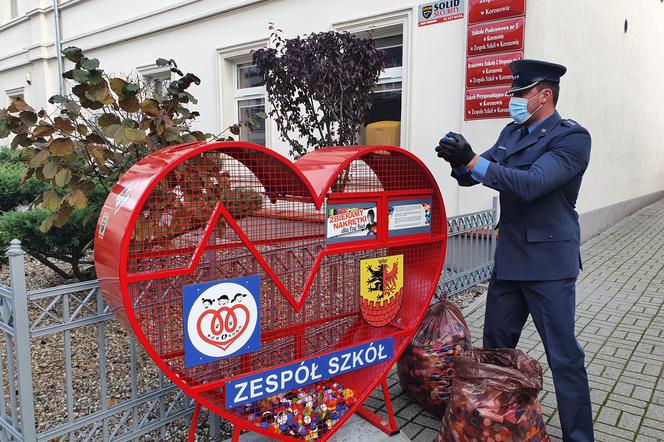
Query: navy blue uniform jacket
column 538, row 177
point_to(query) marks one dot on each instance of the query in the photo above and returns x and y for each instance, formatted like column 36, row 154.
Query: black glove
column 441, row 154
column 455, row 149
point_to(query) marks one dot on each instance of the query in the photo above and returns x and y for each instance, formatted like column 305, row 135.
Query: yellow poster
column 381, row 288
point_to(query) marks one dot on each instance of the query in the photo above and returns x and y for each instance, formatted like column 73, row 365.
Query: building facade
column 612, row 50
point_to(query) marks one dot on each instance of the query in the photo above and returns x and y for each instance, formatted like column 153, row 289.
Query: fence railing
column 470, row 248
column 65, row 375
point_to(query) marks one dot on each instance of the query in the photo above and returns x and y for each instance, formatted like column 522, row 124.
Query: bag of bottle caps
column 494, row 398
column 426, row 368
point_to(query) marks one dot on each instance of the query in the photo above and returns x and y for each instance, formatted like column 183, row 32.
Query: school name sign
column 289, row 377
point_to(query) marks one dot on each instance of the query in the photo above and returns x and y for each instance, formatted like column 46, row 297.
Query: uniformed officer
column 537, row 165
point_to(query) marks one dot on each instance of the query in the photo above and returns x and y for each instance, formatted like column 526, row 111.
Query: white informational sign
column 408, row 217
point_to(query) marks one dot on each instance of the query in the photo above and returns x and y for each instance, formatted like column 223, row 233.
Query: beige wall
column 611, row 86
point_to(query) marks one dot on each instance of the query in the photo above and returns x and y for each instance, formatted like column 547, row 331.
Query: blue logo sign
column 268, row 383
column 221, row 319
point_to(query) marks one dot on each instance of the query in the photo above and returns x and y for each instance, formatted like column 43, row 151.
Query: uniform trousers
column 552, row 305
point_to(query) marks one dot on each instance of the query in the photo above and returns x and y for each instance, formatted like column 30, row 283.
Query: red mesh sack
column 426, row 368
column 494, row 398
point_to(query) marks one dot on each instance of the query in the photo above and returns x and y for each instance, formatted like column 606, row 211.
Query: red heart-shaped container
column 188, row 219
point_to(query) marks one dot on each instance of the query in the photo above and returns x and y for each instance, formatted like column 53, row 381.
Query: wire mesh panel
column 238, row 269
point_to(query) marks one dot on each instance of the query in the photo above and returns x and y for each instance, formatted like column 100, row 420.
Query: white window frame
column 229, row 94
column 385, row 25
column 153, row 72
column 15, row 92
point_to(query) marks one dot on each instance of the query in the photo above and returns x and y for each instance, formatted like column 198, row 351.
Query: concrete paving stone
column 410, row 411
column 642, row 393
column 624, row 353
column 427, row 413
column 547, row 412
column 655, row 412
column 426, row 435
column 591, row 347
column 617, row 432
column 647, row 357
column 400, row 403
column 624, row 388
column 595, row 369
column 411, row 430
column 377, row 394
column 611, row 372
column 640, row 379
column 600, row 436
column 608, row 416
column 373, row 403
column 645, row 347
column 643, row 438
column 554, row 432
column 427, row 421
column 598, row 396
column 626, row 404
column 608, row 350
column 400, row 421
column 651, row 428
column 601, row 382
column 629, row 421
column 395, row 390
column 553, row 420
column 549, row 399
column 610, row 361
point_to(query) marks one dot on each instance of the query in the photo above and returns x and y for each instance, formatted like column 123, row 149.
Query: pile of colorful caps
column 489, row 420
column 306, row 413
column 426, row 371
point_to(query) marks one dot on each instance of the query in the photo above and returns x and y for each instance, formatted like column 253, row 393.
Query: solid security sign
column 440, row 11
column 268, row 383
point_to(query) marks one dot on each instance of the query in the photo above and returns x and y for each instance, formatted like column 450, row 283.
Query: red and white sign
column 486, row 10
column 485, row 103
column 499, row 36
column 490, row 70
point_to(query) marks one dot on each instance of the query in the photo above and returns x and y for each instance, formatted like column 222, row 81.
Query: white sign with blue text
column 221, row 319
column 289, row 377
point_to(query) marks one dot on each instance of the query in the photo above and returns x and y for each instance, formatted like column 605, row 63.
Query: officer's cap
column 528, row 73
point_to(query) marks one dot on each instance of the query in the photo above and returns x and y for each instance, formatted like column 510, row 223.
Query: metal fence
column 64, row 370
column 470, row 248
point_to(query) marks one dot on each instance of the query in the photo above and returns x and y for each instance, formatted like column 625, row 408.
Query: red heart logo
column 207, row 212
column 220, row 327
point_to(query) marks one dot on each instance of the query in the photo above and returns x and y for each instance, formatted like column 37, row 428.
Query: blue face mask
column 519, row 109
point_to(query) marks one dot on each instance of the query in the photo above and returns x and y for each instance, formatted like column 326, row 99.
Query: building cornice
column 80, row 40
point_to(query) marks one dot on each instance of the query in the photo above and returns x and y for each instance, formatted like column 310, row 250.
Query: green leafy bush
column 67, row 243
column 13, row 193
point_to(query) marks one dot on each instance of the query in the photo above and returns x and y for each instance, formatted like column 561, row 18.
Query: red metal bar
column 194, row 422
column 389, row 426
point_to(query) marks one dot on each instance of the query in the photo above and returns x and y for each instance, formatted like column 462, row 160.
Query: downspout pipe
column 58, row 47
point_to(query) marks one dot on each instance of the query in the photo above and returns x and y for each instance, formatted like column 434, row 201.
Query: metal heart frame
column 139, row 275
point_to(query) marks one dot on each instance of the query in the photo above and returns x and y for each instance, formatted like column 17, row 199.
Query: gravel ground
column 48, row 352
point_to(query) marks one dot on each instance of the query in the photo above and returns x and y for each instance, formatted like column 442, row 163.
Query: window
column 390, row 99
column 386, row 96
column 242, row 93
column 158, row 83
column 156, row 77
column 250, row 100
